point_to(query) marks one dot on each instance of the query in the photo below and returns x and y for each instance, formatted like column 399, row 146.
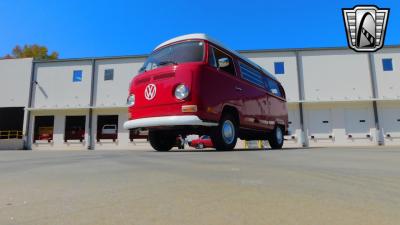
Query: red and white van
column 193, row 85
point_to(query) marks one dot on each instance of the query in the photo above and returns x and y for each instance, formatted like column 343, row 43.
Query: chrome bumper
column 167, row 121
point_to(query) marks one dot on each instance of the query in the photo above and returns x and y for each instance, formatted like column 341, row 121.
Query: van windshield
column 191, row 51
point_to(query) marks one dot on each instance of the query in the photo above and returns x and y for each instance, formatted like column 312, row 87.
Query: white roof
column 208, row 38
column 188, row 37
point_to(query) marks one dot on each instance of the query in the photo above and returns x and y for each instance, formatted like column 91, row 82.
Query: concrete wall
column 56, row 89
column 15, row 78
column 11, row 144
column 388, row 82
column 114, row 92
column 333, row 75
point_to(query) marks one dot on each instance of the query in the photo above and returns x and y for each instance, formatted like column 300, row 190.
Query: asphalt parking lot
column 292, row 186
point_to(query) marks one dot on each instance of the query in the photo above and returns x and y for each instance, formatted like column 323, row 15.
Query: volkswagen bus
column 192, row 84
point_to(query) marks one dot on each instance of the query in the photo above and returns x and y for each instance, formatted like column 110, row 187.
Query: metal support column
column 374, row 88
column 92, row 93
column 304, row 138
column 27, row 134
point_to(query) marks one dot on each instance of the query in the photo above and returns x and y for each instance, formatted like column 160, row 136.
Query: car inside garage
column 74, row 128
column 43, row 129
column 107, row 127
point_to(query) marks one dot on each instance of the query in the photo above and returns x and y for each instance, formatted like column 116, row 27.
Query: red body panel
column 165, row 79
column 211, row 90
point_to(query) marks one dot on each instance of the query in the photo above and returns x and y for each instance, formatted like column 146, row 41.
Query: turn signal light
column 189, row 108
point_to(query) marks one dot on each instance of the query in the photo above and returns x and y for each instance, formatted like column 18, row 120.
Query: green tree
column 32, row 51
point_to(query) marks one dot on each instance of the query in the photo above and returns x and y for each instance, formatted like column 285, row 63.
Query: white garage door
column 320, row 123
column 391, row 121
column 294, row 121
column 358, row 121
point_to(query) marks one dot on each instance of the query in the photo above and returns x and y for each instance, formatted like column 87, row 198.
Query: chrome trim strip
column 167, row 121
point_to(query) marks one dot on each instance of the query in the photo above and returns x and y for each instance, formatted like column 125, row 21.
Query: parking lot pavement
column 296, row 186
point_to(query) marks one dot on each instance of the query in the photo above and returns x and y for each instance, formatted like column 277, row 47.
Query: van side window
column 252, row 75
column 273, row 87
column 211, row 58
column 219, row 55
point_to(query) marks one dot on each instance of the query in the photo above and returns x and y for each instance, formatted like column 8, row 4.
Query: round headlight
column 131, row 100
column 181, row 91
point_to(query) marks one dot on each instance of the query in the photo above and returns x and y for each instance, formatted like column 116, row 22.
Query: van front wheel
column 276, row 138
column 225, row 135
column 161, row 141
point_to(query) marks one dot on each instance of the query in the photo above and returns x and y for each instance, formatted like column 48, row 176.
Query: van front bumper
column 165, row 121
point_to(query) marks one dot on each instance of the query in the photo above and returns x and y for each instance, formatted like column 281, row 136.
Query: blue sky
column 77, row 28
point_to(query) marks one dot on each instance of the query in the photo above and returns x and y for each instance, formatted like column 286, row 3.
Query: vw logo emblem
column 150, row 92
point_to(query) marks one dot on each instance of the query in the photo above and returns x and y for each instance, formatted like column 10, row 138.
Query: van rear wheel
column 161, row 141
column 224, row 137
column 276, row 138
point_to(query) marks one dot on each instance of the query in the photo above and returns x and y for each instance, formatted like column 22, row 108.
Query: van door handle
column 238, row 89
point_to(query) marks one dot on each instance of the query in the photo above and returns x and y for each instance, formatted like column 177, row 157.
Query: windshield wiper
column 167, row 62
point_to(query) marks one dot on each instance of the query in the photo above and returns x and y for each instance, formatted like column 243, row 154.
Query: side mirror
column 223, row 62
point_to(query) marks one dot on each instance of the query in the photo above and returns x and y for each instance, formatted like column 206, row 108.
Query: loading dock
column 320, row 126
column 294, row 139
column 358, row 123
column 11, row 122
column 390, row 119
column 107, row 127
column 74, row 128
column 44, row 128
column 11, row 127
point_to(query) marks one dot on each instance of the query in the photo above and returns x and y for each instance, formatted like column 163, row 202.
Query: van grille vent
column 144, row 80
column 163, row 76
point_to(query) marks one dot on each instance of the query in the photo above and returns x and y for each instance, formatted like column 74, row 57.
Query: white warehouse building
column 336, row 97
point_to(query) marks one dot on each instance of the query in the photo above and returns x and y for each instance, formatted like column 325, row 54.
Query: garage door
column 358, row 122
column 391, row 122
column 294, row 121
column 320, row 124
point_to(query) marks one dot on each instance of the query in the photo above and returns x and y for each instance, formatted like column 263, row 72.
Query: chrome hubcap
column 279, row 135
column 228, row 132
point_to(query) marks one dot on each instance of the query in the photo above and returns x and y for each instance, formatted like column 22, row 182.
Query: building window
column 387, row 64
column 109, row 74
column 77, row 76
column 279, row 67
